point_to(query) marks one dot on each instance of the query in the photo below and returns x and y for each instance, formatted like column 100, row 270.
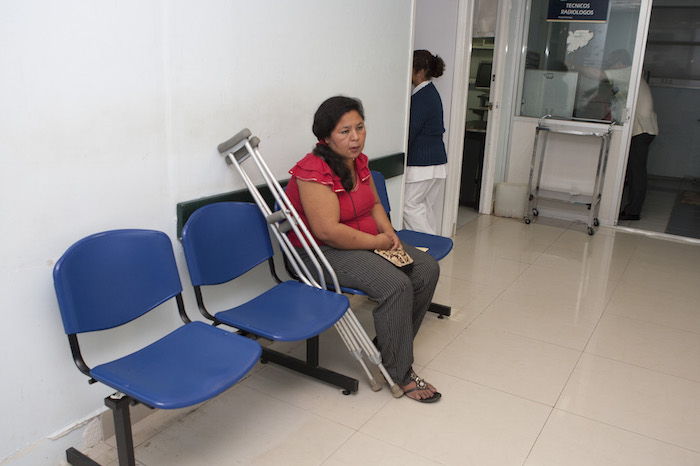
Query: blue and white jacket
column 426, row 127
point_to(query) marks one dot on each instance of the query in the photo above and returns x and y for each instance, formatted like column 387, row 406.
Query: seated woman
column 333, row 191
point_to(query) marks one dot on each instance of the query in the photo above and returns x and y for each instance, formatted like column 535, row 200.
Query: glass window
column 578, row 70
column 673, row 48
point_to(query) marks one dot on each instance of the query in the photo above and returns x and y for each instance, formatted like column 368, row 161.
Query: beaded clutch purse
column 398, row 257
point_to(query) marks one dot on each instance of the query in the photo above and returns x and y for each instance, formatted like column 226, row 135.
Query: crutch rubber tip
column 396, row 391
column 375, row 385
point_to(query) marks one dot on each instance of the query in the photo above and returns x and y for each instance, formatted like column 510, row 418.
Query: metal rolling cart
column 592, row 201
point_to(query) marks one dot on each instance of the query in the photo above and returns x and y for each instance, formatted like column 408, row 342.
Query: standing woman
column 427, row 159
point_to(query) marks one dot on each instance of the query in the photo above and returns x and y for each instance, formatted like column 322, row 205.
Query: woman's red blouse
column 355, row 206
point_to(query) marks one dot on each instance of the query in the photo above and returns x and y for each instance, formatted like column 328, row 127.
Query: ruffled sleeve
column 313, row 168
column 362, row 167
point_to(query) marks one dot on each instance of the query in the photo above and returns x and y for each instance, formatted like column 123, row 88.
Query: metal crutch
column 243, row 146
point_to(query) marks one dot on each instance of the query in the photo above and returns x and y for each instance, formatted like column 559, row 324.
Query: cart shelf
column 580, row 199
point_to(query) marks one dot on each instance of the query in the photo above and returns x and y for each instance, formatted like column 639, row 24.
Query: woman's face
column 418, row 77
column 348, row 137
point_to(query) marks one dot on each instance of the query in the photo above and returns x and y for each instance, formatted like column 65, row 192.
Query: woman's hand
column 384, row 241
column 395, row 241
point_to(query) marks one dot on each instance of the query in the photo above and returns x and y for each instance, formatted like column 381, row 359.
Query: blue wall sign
column 591, row 11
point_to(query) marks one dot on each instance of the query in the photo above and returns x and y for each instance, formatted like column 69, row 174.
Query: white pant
column 423, row 205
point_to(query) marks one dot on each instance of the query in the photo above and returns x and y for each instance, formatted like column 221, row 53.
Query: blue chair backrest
column 110, row 278
column 225, row 240
column 380, row 184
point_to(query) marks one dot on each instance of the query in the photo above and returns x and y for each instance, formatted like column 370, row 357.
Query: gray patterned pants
column 403, row 296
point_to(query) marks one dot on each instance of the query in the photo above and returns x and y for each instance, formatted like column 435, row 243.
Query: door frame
column 640, row 46
column 508, row 40
column 458, row 114
column 496, row 147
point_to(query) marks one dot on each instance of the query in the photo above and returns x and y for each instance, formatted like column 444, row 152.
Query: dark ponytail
column 433, row 65
column 325, row 120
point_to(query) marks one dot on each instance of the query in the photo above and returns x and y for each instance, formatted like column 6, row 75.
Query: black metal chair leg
column 119, row 404
column 440, row 309
column 347, row 384
column 76, row 458
column 312, row 351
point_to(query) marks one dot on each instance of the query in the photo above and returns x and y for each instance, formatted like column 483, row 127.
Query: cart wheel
column 596, row 222
column 590, row 231
column 535, row 212
column 527, row 220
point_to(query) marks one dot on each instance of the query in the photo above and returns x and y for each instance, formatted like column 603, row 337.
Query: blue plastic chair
column 109, row 279
column 223, row 241
column 438, row 246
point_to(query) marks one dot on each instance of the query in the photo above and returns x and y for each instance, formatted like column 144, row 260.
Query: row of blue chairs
column 111, row 278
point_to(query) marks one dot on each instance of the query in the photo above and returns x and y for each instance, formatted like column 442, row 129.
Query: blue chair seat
column 178, row 370
column 283, row 313
column 438, row 246
column 345, row 289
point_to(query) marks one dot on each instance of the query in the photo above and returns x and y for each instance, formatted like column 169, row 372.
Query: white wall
column 111, row 113
column 436, row 29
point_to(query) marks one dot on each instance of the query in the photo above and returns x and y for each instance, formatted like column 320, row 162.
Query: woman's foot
column 420, row 390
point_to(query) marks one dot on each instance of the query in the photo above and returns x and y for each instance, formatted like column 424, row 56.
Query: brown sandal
column 421, row 385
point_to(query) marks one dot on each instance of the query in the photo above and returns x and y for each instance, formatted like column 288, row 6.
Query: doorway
column 672, row 69
column 478, row 101
column 459, row 22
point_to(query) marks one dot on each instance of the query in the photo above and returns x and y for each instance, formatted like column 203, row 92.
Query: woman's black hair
column 433, row 65
column 325, row 120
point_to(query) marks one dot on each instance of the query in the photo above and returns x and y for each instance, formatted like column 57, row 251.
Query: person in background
column 427, row 158
column 644, row 130
column 617, row 72
column 333, row 191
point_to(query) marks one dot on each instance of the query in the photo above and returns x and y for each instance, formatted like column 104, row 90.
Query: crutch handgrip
column 239, row 137
column 284, row 224
column 243, row 153
column 285, row 227
column 277, row 216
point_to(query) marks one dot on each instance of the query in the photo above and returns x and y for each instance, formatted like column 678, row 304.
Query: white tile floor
column 562, row 349
column 662, row 195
